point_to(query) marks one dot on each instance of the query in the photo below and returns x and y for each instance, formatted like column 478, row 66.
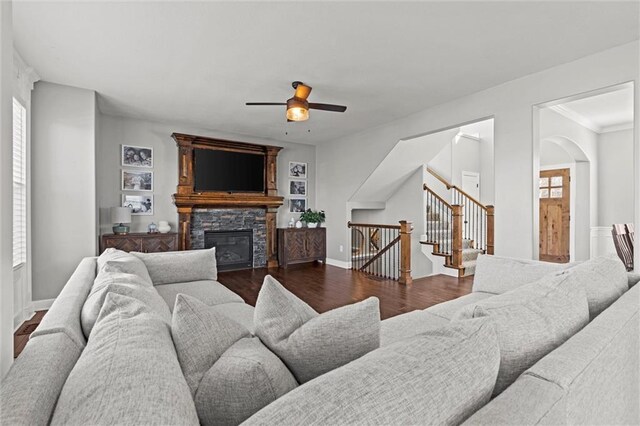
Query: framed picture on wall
column 297, row 170
column 134, row 180
column 137, row 156
column 139, row 204
column 298, row 187
column 297, row 205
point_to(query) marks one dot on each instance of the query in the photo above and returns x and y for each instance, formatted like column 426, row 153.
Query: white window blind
column 19, row 183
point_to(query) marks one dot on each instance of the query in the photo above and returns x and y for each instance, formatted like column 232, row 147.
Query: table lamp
column 120, row 215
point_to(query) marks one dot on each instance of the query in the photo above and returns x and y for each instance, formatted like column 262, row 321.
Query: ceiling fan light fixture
column 297, row 110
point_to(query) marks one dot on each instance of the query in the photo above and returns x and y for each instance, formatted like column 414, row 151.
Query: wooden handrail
column 440, row 178
column 439, row 198
column 456, row 187
column 391, row 261
column 473, row 200
column 372, row 225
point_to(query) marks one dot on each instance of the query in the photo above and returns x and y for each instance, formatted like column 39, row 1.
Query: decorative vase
column 312, row 225
column 298, row 224
column 152, row 228
column 164, row 227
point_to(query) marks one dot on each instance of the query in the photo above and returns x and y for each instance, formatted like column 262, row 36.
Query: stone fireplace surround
column 203, row 220
column 187, row 200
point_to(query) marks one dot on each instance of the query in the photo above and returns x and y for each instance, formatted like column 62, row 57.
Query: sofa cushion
column 531, row 321
column 127, row 285
column 118, row 261
column 311, row 344
column 231, row 375
column 407, row 325
column 498, row 275
column 128, row 373
column 439, row 377
column 208, row 292
column 180, row 266
column 605, row 280
column 447, row 310
column 29, row 391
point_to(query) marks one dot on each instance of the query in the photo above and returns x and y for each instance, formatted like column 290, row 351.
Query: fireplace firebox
column 234, row 249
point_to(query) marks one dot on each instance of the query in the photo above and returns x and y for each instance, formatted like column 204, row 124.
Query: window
column 19, row 184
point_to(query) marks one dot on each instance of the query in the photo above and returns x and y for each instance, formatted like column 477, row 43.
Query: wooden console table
column 143, row 242
column 300, row 245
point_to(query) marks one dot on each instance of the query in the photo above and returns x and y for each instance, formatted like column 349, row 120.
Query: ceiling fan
column 298, row 107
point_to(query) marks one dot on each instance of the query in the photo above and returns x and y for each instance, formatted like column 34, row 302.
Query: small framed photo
column 137, row 156
column 139, row 204
column 297, row 205
column 297, row 170
column 134, row 180
column 298, row 187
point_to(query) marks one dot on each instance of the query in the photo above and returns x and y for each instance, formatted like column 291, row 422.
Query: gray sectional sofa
column 591, row 378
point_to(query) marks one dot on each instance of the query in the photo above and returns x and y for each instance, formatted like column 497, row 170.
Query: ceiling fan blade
column 302, row 91
column 266, row 103
column 328, row 107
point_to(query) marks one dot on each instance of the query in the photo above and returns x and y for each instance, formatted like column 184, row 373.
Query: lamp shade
column 120, row 215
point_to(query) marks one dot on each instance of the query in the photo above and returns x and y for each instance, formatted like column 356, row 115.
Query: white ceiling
column 602, row 113
column 198, row 63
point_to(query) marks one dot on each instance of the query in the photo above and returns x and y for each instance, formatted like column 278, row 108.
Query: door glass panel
column 556, row 192
column 556, row 181
column 544, row 193
column 544, row 182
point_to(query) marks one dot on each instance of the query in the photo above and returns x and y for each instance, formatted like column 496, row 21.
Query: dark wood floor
column 324, row 287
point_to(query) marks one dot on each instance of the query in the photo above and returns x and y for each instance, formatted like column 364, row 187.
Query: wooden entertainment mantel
column 186, row 199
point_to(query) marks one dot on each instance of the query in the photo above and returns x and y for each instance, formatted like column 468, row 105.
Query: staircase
column 459, row 230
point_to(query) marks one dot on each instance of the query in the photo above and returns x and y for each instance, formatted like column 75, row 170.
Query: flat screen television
column 227, row 171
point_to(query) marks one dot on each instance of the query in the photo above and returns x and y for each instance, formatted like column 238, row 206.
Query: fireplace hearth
column 234, row 249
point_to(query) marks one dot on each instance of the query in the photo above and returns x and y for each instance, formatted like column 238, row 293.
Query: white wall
column 6, row 200
column 63, row 196
column 615, row 180
column 516, row 155
column 552, row 154
column 115, row 131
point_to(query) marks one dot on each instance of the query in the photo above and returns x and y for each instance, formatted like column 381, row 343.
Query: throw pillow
column 442, row 377
column 128, row 373
column 118, row 261
column 531, row 321
column 311, row 344
column 124, row 284
column 230, row 374
column 180, row 266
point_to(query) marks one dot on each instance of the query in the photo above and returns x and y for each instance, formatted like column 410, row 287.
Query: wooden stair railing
column 465, row 218
column 382, row 250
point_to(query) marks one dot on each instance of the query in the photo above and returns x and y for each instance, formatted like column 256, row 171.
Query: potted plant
column 313, row 218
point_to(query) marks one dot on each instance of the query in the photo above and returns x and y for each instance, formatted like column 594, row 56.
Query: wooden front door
column 554, row 215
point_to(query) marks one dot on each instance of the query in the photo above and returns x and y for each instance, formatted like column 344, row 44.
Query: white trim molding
column 339, row 263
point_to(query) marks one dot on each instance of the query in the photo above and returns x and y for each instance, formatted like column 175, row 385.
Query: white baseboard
column 41, row 305
column 339, row 263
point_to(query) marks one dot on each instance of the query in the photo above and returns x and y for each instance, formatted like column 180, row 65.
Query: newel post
column 456, row 236
column 406, row 227
column 490, row 228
